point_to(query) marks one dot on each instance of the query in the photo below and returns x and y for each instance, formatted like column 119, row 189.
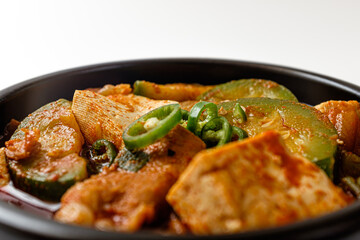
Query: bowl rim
column 16, row 218
column 338, row 83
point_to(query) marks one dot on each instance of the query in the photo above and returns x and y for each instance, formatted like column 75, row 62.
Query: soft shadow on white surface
column 40, row 37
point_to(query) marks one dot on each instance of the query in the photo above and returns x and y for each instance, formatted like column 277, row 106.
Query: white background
column 39, row 37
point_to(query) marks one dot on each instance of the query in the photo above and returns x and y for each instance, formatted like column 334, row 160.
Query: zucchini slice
column 48, row 164
column 47, row 178
column 305, row 130
column 247, row 88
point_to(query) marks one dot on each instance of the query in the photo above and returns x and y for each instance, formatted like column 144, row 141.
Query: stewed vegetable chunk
column 101, row 117
column 345, row 116
column 252, row 184
column 172, row 91
column 304, row 129
column 125, row 200
column 247, row 88
column 43, row 152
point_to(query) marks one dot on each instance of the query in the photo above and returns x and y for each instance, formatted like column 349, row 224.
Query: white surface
column 39, row 37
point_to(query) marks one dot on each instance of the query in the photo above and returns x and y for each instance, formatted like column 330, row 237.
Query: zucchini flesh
column 54, row 165
column 304, row 129
column 247, row 88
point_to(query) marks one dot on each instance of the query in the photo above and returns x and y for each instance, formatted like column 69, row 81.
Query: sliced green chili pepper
column 102, row 153
column 239, row 114
column 238, row 133
column 152, row 126
column 184, row 118
column 195, row 123
column 99, row 146
column 216, row 132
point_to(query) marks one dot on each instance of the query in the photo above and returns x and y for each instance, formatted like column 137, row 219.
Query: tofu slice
column 252, row 184
column 125, row 201
column 345, row 116
column 107, row 117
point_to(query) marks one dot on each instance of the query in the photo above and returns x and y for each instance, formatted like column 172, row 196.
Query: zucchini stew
column 183, row 158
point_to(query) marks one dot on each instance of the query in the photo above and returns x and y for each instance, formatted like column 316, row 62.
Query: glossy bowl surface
column 21, row 99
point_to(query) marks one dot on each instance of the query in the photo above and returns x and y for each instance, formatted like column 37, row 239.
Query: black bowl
column 19, row 100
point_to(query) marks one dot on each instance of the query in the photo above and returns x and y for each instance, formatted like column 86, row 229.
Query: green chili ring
column 184, row 118
column 195, row 124
column 110, row 153
column 184, row 115
column 136, row 136
column 239, row 114
column 216, row 132
column 239, row 133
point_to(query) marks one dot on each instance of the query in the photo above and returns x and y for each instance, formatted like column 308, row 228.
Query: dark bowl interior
column 21, row 99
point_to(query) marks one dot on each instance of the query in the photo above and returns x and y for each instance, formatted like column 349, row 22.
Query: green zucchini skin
column 47, row 191
column 52, row 185
column 55, row 165
column 247, row 88
column 304, row 129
